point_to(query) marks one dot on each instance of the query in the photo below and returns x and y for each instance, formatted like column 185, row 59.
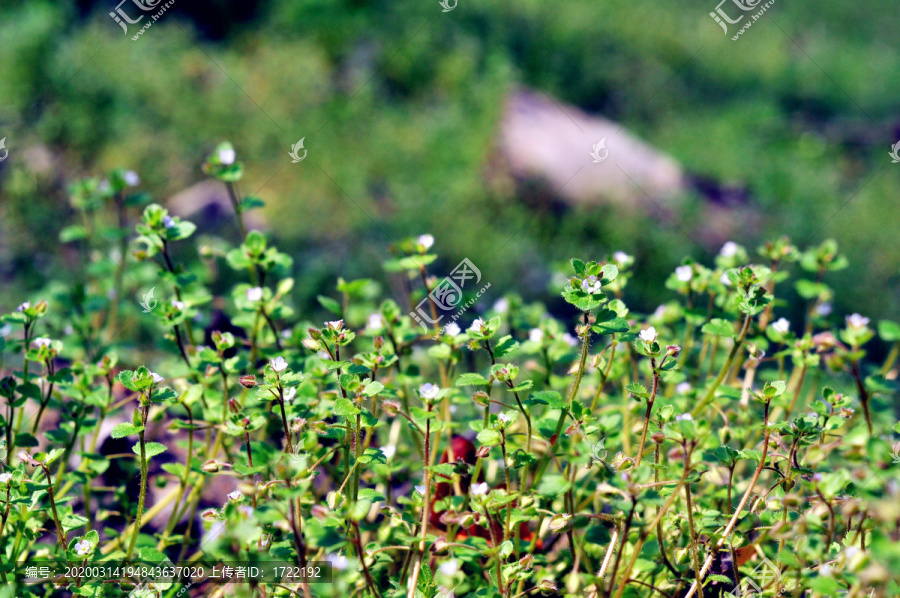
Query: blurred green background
column 400, row 105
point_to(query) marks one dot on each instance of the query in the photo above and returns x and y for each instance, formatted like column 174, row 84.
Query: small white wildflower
column 420, row 490
column 479, row 489
column 504, row 418
column 290, row 393
column 725, row 280
column 226, row 156
column 782, row 325
column 823, row 309
column 168, row 222
column 335, row 325
column 449, row 568
column 477, row 325
column 825, row 570
column 649, row 335
column 254, row 294
column 452, row 329
column 246, row 510
column 683, row 388
column 131, row 178
column 591, row 285
column 429, row 390
column 375, row 322
column 857, row 321
column 851, row 552
column 5, row 478
column 620, row 257
column 684, row 417
column 684, row 273
column 278, row 364
column 179, row 305
column 156, row 377
column 729, row 249
column 501, row 306
column 41, row 342
column 659, row 312
column 569, row 339
column 535, row 335
column 425, row 241
column 337, row 561
column 103, row 187
column 389, row 451
column 83, row 548
column 235, row 496
column 24, row 306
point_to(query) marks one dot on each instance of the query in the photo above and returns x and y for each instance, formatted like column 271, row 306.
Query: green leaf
column 329, row 304
column 472, row 380
column 719, row 327
column 549, row 397
column 151, row 449
column 489, row 437
column 345, row 408
column 123, row 430
column 889, row 331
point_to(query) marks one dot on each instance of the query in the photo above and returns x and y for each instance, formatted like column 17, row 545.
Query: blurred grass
column 400, row 103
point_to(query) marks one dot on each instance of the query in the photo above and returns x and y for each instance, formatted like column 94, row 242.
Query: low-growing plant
column 710, row 448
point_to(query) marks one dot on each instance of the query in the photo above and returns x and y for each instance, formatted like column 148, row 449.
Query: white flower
column 425, row 241
column 504, row 418
column 477, row 325
column 659, row 312
column 375, row 322
column 335, row 324
column 235, row 496
column 683, row 388
column 724, row 279
column 569, row 339
column 501, row 306
column 479, row 489
column 41, row 342
column 226, row 156
column 649, row 335
column 420, row 490
column 337, row 561
column 590, row 285
column 782, row 325
column 823, row 309
column 179, row 305
column 156, row 377
column 103, row 186
column 168, row 222
column 278, row 364
column 729, row 249
column 684, row 273
column 857, row 321
column 5, row 478
column 684, row 417
column 246, row 510
column 254, row 294
column 6, row 329
column 83, row 548
column 620, row 257
column 825, row 570
column 449, row 568
column 24, row 306
column 290, row 393
column 131, row 178
column 429, row 390
column 535, row 335
column 389, row 451
column 452, row 329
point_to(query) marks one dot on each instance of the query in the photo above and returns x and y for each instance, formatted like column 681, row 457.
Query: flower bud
column 481, row 398
column 526, row 561
column 391, row 407
column 559, row 522
column 673, row 350
column 658, row 437
column 209, row 515
column 211, row 466
column 334, row 499
column 248, row 381
column 548, row 586
column 483, row 452
column 379, row 342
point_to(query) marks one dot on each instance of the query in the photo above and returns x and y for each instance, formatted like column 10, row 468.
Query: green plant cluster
column 700, row 450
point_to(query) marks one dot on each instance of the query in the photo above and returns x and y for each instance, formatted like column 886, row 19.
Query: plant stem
column 143, row 495
column 60, row 533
